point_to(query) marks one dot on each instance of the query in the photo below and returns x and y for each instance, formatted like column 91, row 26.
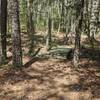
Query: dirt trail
column 50, row 79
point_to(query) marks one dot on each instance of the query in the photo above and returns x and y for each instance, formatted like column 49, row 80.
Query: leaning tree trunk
column 78, row 30
column 3, row 27
column 16, row 37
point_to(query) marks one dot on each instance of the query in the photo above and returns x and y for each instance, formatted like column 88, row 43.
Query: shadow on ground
column 51, row 79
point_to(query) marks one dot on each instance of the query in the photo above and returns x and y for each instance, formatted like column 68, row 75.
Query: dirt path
column 51, row 79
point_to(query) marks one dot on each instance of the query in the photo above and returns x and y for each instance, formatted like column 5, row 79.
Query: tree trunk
column 49, row 27
column 48, row 37
column 30, row 25
column 94, row 20
column 3, row 27
column 16, row 37
column 0, row 37
column 78, row 30
column 63, row 17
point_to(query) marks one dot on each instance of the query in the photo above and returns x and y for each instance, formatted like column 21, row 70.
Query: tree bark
column 49, row 27
column 4, row 27
column 94, row 20
column 30, row 25
column 78, row 30
column 48, row 38
column 16, row 37
column 0, row 37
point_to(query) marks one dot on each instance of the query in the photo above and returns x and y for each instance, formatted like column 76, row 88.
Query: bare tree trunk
column 3, row 27
column 49, row 26
column 94, row 20
column 48, row 38
column 16, row 37
column 63, row 17
column 30, row 25
column 78, row 30
column 0, row 37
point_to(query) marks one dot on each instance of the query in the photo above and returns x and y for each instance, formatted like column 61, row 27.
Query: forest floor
column 51, row 79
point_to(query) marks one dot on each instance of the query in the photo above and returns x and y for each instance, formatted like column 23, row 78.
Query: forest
column 49, row 49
